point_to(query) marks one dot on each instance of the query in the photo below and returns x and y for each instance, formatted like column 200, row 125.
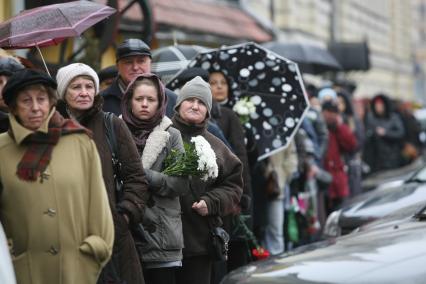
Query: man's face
column 3, row 81
column 132, row 66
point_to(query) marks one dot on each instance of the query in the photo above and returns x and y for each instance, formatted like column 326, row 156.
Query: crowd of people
column 85, row 199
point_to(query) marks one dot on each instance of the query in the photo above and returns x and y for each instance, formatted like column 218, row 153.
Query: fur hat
column 196, row 88
column 23, row 78
column 67, row 73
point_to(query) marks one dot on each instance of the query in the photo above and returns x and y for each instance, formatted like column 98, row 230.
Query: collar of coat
column 155, row 143
column 20, row 132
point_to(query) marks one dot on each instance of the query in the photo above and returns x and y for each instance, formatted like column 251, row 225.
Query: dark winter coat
column 4, row 122
column 113, row 94
column 133, row 199
column 231, row 127
column 383, row 152
column 163, row 233
column 222, row 195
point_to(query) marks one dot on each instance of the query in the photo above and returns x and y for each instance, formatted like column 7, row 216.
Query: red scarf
column 40, row 146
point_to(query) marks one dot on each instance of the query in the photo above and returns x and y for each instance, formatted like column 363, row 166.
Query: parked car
column 7, row 274
column 390, row 250
column 377, row 203
column 395, row 175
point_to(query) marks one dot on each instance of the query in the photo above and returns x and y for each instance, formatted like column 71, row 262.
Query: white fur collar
column 155, row 143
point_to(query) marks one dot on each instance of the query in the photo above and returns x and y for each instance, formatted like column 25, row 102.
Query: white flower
column 244, row 108
column 206, row 157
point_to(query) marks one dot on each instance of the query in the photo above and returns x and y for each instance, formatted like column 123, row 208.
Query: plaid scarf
column 40, row 146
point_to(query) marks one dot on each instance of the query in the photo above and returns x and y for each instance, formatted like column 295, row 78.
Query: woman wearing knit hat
column 56, row 217
column 160, row 240
column 209, row 200
column 78, row 86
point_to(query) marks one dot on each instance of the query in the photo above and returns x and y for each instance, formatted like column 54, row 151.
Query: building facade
column 386, row 25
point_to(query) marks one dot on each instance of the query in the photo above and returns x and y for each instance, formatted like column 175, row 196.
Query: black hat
column 330, row 106
column 187, row 75
column 9, row 65
column 24, row 78
column 131, row 47
column 107, row 73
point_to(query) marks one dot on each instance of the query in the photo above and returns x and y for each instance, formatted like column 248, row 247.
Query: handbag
column 112, row 143
column 218, row 245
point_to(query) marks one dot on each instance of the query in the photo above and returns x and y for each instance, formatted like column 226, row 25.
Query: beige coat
column 284, row 164
column 60, row 231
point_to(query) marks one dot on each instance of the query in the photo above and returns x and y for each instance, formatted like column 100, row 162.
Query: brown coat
column 134, row 196
column 222, row 195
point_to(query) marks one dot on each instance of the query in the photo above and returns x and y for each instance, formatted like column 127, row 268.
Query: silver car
column 391, row 250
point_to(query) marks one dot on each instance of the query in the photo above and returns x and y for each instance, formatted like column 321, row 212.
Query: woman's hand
column 200, row 207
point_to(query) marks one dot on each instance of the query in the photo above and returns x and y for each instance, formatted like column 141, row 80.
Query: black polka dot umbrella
column 273, row 84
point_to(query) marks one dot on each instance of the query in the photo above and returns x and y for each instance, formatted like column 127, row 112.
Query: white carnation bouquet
column 244, row 108
column 199, row 159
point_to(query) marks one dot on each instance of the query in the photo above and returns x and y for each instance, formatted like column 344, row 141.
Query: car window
column 420, row 176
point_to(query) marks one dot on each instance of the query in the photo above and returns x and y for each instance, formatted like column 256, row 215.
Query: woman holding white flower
column 218, row 197
column 160, row 242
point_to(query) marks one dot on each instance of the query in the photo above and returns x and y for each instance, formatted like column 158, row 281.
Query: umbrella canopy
column 168, row 61
column 272, row 83
column 51, row 24
column 310, row 58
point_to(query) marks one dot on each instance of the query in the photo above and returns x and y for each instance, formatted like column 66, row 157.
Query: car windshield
column 420, row 176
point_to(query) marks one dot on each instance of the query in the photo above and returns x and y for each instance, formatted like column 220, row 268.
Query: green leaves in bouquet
column 182, row 164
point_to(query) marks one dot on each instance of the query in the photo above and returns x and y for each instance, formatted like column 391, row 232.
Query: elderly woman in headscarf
column 160, row 239
column 78, row 87
column 209, row 200
column 53, row 203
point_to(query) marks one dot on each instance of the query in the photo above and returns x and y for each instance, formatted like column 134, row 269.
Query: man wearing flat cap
column 133, row 58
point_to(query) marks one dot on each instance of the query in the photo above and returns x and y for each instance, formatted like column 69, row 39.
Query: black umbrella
column 310, row 58
column 168, row 61
column 9, row 65
column 272, row 83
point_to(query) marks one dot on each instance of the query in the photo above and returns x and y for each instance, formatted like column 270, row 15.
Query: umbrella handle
column 42, row 58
